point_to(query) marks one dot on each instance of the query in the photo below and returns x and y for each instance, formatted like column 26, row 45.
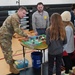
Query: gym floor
column 32, row 71
column 17, row 55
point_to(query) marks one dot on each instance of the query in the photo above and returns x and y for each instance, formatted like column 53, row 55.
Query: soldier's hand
column 23, row 39
column 26, row 38
column 36, row 33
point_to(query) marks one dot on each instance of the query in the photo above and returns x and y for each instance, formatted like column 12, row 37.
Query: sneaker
column 66, row 74
column 62, row 72
column 70, row 71
column 73, row 68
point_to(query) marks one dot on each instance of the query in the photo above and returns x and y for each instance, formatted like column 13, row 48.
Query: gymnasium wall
column 27, row 21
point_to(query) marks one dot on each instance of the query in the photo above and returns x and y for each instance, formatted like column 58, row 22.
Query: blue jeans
column 41, row 31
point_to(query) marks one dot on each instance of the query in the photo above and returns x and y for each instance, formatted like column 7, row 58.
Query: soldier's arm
column 15, row 24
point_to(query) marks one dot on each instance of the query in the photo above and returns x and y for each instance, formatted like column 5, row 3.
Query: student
column 9, row 27
column 69, row 46
column 40, row 19
column 55, row 39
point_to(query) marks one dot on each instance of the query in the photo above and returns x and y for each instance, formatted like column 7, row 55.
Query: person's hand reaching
column 23, row 38
column 26, row 38
column 36, row 33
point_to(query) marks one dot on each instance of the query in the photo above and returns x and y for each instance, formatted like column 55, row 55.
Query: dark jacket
column 55, row 46
column 72, row 17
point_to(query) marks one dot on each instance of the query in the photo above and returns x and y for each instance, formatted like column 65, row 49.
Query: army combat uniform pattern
column 9, row 27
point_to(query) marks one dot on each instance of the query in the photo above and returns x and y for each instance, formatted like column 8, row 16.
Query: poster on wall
column 11, row 12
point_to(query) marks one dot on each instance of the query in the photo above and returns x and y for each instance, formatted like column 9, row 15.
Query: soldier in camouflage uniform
column 9, row 27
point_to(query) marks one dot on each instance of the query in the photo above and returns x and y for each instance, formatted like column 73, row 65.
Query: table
column 40, row 45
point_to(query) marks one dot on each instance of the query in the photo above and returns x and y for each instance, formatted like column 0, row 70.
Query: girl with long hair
column 55, row 39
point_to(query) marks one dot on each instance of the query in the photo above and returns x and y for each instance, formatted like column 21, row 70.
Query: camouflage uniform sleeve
column 15, row 24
